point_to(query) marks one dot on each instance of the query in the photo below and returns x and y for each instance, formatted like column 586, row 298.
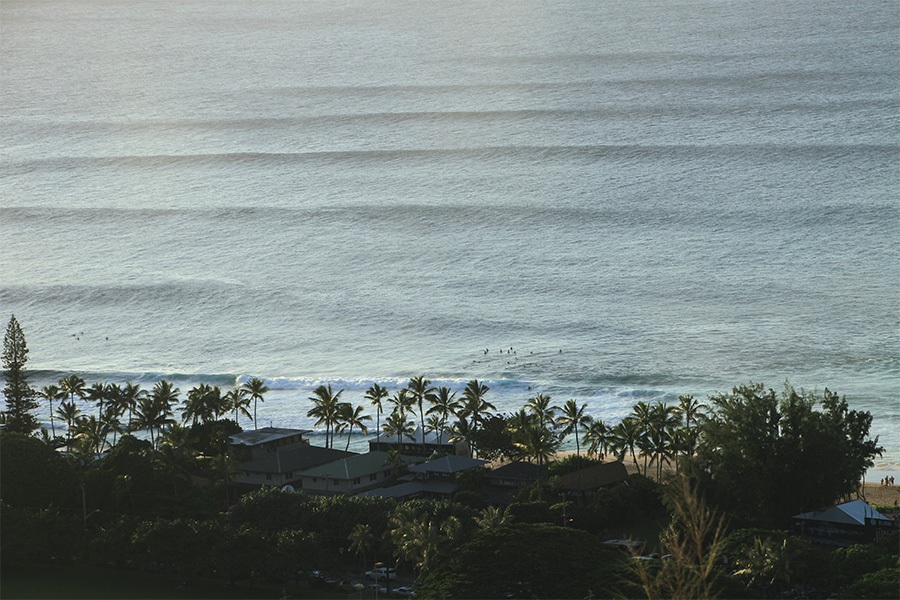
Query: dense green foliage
column 164, row 503
column 763, row 459
column 527, row 560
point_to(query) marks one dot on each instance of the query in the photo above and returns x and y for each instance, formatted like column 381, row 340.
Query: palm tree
column 398, row 425
column 536, row 442
column 326, row 410
column 664, row 421
column 376, row 395
column 97, row 393
column 420, row 540
column 352, row 417
column 643, row 419
column 68, row 411
column 51, row 393
column 461, row 431
column 597, row 437
column 90, row 433
column 159, row 405
column 540, row 407
column 110, row 420
column 693, row 412
column 624, row 439
column 362, row 540
column 435, row 424
column 421, row 390
column 129, row 397
column 239, row 400
column 72, row 385
column 444, row 404
column 571, row 419
column 256, row 388
column 200, row 405
column 475, row 407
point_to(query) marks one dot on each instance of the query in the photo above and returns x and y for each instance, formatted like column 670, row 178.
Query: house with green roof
column 353, row 474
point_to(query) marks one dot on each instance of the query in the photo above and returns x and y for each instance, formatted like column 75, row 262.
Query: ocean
column 596, row 200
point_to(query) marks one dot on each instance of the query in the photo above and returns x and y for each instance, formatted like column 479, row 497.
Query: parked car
column 379, row 573
column 405, row 592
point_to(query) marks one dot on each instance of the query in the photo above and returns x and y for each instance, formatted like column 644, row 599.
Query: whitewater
column 603, row 201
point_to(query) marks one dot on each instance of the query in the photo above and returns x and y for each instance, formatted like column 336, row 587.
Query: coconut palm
column 398, row 425
column 643, row 418
column 68, row 411
column 420, row 389
column 129, row 397
column 257, row 389
column 239, row 400
column 444, row 404
column 351, row 417
column 460, row 431
column 475, row 408
column 90, row 433
column 72, row 385
column 435, row 424
column 326, row 410
column 597, row 437
column 110, row 420
column 199, row 405
column 97, row 394
column 540, row 407
column 624, row 438
column 362, row 540
column 571, row 418
column 664, row 421
column 536, row 442
column 420, row 540
column 155, row 411
column 51, row 393
column 376, row 395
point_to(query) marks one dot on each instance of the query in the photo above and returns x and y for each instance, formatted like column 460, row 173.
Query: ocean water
column 637, row 199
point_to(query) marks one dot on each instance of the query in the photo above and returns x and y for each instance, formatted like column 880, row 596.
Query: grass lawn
column 78, row 581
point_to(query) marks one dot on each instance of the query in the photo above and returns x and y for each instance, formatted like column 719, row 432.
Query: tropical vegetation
column 140, row 479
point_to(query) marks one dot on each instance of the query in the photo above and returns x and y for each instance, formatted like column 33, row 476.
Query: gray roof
column 358, row 465
column 448, row 465
column 264, row 435
column 855, row 512
column 413, row 488
column 522, row 471
column 293, row 459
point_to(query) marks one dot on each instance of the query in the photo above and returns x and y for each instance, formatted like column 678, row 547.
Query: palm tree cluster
column 659, row 433
column 128, row 408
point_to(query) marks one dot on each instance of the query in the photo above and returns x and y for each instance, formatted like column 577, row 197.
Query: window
column 268, row 477
column 373, row 477
column 356, row 481
column 335, row 482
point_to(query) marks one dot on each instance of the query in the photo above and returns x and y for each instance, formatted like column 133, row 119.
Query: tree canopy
column 764, row 458
column 21, row 399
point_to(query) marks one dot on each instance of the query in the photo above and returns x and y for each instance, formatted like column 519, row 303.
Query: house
column 283, row 467
column 254, row 443
column 433, row 479
column 516, row 474
column 351, row 474
column 446, row 467
column 434, row 489
column 584, row 481
column 420, row 445
column 504, row 482
column 846, row 524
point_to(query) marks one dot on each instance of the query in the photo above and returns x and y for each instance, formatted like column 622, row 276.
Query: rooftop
column 264, row 435
column 448, row 465
column 358, row 465
column 294, row 459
